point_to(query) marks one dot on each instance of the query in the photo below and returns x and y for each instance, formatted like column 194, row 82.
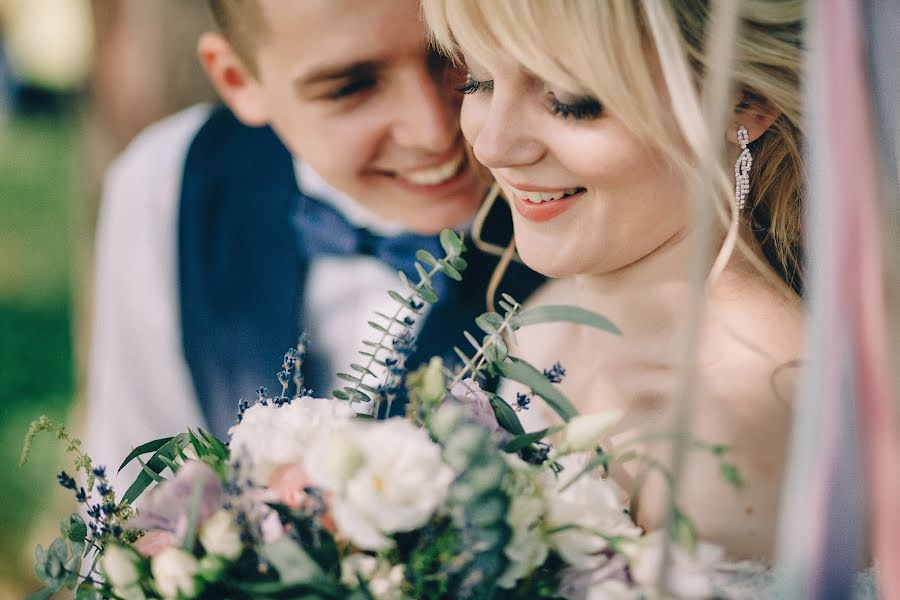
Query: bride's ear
column 753, row 112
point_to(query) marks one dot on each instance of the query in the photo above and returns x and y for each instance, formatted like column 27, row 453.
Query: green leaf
column 154, row 465
column 519, row 370
column 379, row 327
column 506, row 416
column 348, row 377
column 401, row 299
column 41, row 594
column 424, row 277
column 340, row 395
column 87, row 591
column 730, row 474
column 495, row 349
column 357, row 396
column 154, row 475
column 452, row 243
column 362, row 369
column 462, row 355
column 291, row 561
column 568, row 314
column 426, row 257
column 190, row 534
column 683, row 531
column 218, row 448
column 526, row 439
column 173, row 466
column 426, row 294
column 77, row 529
column 144, row 449
column 459, row 263
column 506, row 306
column 510, row 300
column 451, row 272
column 472, row 340
column 489, row 322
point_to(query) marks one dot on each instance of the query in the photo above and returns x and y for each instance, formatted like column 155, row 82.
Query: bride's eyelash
column 585, row 108
column 472, row 85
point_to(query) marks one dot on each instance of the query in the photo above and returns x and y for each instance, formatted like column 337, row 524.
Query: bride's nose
column 500, row 133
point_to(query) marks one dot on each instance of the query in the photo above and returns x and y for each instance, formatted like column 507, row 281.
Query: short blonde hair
column 243, row 25
column 617, row 50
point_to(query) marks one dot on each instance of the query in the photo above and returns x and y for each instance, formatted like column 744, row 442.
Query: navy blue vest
column 242, row 274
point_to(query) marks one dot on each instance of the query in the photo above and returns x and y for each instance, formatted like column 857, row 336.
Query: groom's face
column 354, row 92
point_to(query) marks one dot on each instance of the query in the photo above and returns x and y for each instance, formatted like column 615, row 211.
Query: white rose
column 270, row 435
column 584, row 433
column 583, row 514
column 174, row 571
column 220, row 536
column 400, row 485
column 689, row 576
column 333, row 460
column 118, row 564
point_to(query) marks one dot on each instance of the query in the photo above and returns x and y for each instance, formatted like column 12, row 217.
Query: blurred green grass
column 39, row 195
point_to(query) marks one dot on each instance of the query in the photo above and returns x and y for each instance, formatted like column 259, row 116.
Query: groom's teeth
column 538, row 197
column 434, row 175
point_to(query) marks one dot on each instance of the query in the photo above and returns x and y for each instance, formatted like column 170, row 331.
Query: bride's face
column 588, row 195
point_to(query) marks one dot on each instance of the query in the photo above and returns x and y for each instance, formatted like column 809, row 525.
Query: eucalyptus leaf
column 379, row 327
column 519, row 370
column 451, row 271
column 471, row 339
column 489, row 322
column 426, row 257
column 452, row 243
column 462, row 355
column 42, row 594
column 424, row 277
column 510, row 299
column 401, row 299
column 357, row 396
column 495, row 349
column 568, row 314
column 77, row 529
column 348, row 377
column 361, row 369
column 340, row 395
column 426, row 294
column 459, row 263
column 144, row 449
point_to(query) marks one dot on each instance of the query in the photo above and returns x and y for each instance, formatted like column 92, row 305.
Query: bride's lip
column 546, row 210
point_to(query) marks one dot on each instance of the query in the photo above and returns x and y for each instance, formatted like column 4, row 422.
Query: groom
column 227, row 231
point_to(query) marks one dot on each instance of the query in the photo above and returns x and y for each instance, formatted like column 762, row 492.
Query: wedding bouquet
column 318, row 498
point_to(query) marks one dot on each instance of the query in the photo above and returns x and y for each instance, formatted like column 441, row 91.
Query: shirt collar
column 311, row 184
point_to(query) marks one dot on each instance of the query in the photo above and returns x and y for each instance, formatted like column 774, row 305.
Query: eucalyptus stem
column 480, row 356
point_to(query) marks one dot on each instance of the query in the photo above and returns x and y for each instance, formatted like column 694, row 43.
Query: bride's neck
column 652, row 292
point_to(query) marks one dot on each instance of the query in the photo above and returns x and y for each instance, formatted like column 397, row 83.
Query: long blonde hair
column 645, row 61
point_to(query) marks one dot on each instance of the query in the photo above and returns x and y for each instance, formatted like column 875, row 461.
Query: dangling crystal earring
column 742, row 169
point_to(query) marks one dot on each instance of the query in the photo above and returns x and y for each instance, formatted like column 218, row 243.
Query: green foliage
column 564, row 314
column 58, row 566
column 390, row 327
column 73, row 445
column 524, row 373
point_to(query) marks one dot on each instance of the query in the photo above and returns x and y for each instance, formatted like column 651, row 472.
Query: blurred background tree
column 78, row 79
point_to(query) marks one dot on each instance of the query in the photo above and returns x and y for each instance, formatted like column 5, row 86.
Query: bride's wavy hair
column 645, row 61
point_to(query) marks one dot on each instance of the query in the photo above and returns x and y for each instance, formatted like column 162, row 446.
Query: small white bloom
column 174, row 571
column 689, row 576
column 582, row 516
column 398, row 488
column 118, row 564
column 270, row 436
column 384, row 580
column 584, row 433
column 220, row 536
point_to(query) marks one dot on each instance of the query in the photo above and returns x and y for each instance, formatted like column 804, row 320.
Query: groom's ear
column 237, row 86
column 754, row 112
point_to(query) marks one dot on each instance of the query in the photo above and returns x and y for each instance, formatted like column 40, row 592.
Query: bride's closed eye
column 580, row 108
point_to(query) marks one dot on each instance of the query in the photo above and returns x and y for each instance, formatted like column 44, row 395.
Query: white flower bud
column 174, row 571
column 584, row 433
column 220, row 536
column 118, row 564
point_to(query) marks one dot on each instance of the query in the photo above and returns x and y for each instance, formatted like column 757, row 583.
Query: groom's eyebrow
column 326, row 73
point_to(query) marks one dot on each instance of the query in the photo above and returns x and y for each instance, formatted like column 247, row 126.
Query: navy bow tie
column 323, row 231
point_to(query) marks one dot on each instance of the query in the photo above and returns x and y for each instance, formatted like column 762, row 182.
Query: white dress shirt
column 139, row 384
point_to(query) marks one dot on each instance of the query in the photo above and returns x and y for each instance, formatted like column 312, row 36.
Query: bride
column 589, row 116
